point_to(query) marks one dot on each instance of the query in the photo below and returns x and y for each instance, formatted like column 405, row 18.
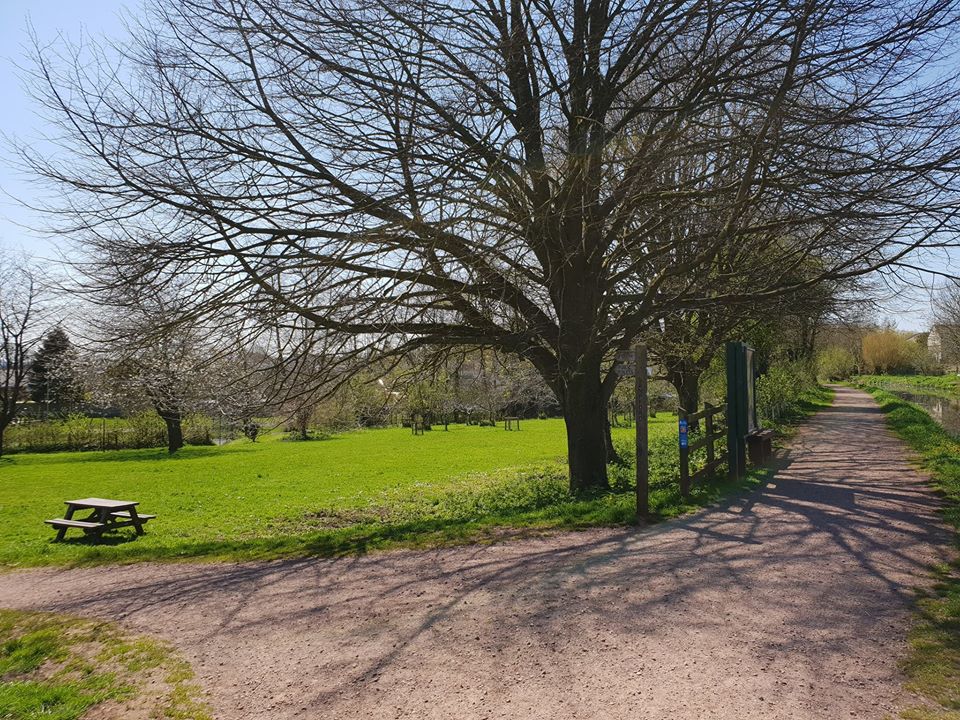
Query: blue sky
column 17, row 111
column 74, row 18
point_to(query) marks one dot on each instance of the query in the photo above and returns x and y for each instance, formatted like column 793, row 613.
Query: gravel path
column 791, row 602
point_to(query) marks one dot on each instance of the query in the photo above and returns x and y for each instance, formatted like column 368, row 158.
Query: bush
column 198, row 430
column 781, row 391
column 143, row 430
column 891, row 352
column 836, row 363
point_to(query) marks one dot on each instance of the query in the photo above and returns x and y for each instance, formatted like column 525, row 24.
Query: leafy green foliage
column 783, row 391
column 77, row 432
column 890, row 351
column 836, row 363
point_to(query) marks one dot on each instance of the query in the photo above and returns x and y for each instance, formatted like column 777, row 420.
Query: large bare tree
column 504, row 173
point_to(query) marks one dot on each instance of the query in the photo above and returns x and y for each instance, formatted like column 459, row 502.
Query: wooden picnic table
column 107, row 515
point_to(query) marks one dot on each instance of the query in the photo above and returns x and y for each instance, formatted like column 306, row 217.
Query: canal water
column 945, row 410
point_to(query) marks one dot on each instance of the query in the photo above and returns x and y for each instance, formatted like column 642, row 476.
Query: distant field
column 346, row 494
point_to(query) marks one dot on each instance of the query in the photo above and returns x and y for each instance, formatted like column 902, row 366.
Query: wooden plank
column 64, row 523
column 102, row 503
column 697, row 444
column 709, row 411
column 706, row 469
column 705, row 441
column 122, row 524
column 126, row 515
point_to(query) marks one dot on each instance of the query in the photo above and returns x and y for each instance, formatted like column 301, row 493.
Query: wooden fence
column 714, row 421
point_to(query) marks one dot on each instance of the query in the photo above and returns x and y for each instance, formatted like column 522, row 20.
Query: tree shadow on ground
column 832, row 549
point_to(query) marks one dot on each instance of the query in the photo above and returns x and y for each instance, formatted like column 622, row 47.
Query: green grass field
column 347, row 494
column 275, row 497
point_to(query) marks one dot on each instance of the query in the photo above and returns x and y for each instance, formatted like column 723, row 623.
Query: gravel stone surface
column 790, row 602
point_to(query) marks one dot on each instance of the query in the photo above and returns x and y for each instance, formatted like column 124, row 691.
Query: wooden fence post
column 640, row 419
column 684, row 453
column 708, row 426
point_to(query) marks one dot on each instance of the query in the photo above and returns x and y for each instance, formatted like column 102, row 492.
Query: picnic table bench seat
column 82, row 524
column 125, row 515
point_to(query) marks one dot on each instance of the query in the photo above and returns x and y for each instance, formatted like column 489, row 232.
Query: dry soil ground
column 792, row 602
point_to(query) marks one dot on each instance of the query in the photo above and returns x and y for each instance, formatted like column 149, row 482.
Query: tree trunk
column 686, row 380
column 612, row 455
column 585, row 415
column 608, row 387
column 174, row 432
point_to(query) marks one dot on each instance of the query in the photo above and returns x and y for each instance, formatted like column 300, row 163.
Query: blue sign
column 683, row 434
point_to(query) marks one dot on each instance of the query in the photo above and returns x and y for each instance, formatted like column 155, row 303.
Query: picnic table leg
column 68, row 515
column 135, row 519
column 102, row 516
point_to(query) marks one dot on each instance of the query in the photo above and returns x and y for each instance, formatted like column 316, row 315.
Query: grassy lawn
column 348, row 494
column 933, row 666
column 274, row 497
column 54, row 667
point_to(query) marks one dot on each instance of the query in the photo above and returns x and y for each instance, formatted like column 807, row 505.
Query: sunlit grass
column 347, row 494
column 54, row 667
column 264, row 499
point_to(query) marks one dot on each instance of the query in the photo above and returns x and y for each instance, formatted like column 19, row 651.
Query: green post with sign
column 741, row 408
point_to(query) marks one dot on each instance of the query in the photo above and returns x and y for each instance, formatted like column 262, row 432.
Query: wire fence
column 78, row 433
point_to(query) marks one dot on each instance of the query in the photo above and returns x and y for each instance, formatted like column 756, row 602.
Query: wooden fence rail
column 714, row 421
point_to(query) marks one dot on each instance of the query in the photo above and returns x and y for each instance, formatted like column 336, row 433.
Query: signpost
column 684, row 456
column 741, row 409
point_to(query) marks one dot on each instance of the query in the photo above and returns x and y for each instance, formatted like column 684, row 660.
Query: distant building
column 943, row 343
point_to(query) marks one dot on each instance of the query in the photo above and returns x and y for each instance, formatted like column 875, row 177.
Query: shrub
column 888, row 351
column 836, row 363
column 143, row 430
column 198, row 429
column 781, row 390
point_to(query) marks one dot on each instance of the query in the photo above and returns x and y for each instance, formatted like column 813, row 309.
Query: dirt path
column 790, row 603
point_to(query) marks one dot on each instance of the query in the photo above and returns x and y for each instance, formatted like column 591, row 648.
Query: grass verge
column 933, row 664
column 54, row 667
column 948, row 383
